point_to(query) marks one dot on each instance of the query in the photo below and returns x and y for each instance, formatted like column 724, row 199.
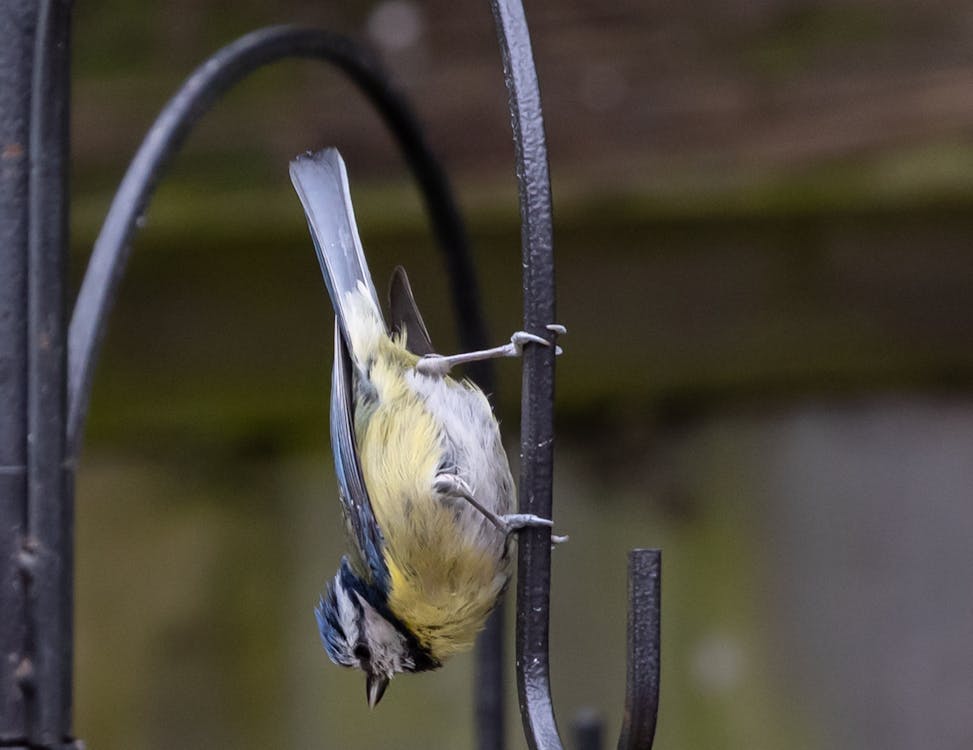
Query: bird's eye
column 362, row 653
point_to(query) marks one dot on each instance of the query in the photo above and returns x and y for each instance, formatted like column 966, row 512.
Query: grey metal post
column 35, row 485
column 17, row 25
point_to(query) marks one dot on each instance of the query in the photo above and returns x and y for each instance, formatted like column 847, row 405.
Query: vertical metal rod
column 48, row 545
column 490, row 721
column 589, row 731
column 17, row 29
column 644, row 630
column 537, row 405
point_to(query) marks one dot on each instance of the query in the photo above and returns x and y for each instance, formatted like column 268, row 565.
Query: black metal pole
column 644, row 631
column 490, row 713
column 48, row 551
column 36, row 519
column 17, row 28
column 589, row 731
column 537, row 399
column 537, row 440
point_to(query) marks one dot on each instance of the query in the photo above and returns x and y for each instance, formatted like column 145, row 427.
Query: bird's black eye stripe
column 362, row 653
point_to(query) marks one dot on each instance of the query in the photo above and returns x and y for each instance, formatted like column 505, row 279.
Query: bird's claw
column 520, row 338
column 517, row 521
column 436, row 365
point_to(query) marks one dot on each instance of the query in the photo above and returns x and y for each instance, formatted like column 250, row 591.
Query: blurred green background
column 763, row 219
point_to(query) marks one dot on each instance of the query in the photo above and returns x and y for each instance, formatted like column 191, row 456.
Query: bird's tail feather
column 322, row 185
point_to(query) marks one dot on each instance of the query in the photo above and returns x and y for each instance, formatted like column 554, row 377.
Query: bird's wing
column 405, row 315
column 363, row 527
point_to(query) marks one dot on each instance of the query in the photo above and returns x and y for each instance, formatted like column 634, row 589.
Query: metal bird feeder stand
column 46, row 369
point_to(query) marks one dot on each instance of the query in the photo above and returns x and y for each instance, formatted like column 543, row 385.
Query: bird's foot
column 513, row 522
column 437, row 365
column 455, row 486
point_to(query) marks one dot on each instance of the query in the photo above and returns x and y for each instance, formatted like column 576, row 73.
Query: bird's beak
column 375, row 685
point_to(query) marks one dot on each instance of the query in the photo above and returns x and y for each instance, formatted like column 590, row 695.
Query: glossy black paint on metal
column 210, row 81
column 35, row 500
column 644, row 626
column 642, row 679
column 17, row 29
column 47, row 555
column 537, row 434
column 537, row 397
column 201, row 90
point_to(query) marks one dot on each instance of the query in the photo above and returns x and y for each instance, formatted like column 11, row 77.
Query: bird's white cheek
column 347, row 615
column 387, row 645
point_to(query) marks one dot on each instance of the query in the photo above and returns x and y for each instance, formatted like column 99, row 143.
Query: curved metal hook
column 537, row 434
column 644, row 626
column 201, row 90
column 642, row 683
column 197, row 95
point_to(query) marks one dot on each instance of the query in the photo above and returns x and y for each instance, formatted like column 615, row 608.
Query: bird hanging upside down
column 423, row 479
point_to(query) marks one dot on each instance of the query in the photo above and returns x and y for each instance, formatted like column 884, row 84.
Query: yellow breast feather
column 442, row 585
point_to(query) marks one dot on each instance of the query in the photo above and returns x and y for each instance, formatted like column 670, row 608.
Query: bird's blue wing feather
column 321, row 182
column 364, row 529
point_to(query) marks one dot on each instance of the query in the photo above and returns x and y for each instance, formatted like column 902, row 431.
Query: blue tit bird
column 423, row 480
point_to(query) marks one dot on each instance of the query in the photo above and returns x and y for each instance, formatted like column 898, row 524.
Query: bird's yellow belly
column 444, row 579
